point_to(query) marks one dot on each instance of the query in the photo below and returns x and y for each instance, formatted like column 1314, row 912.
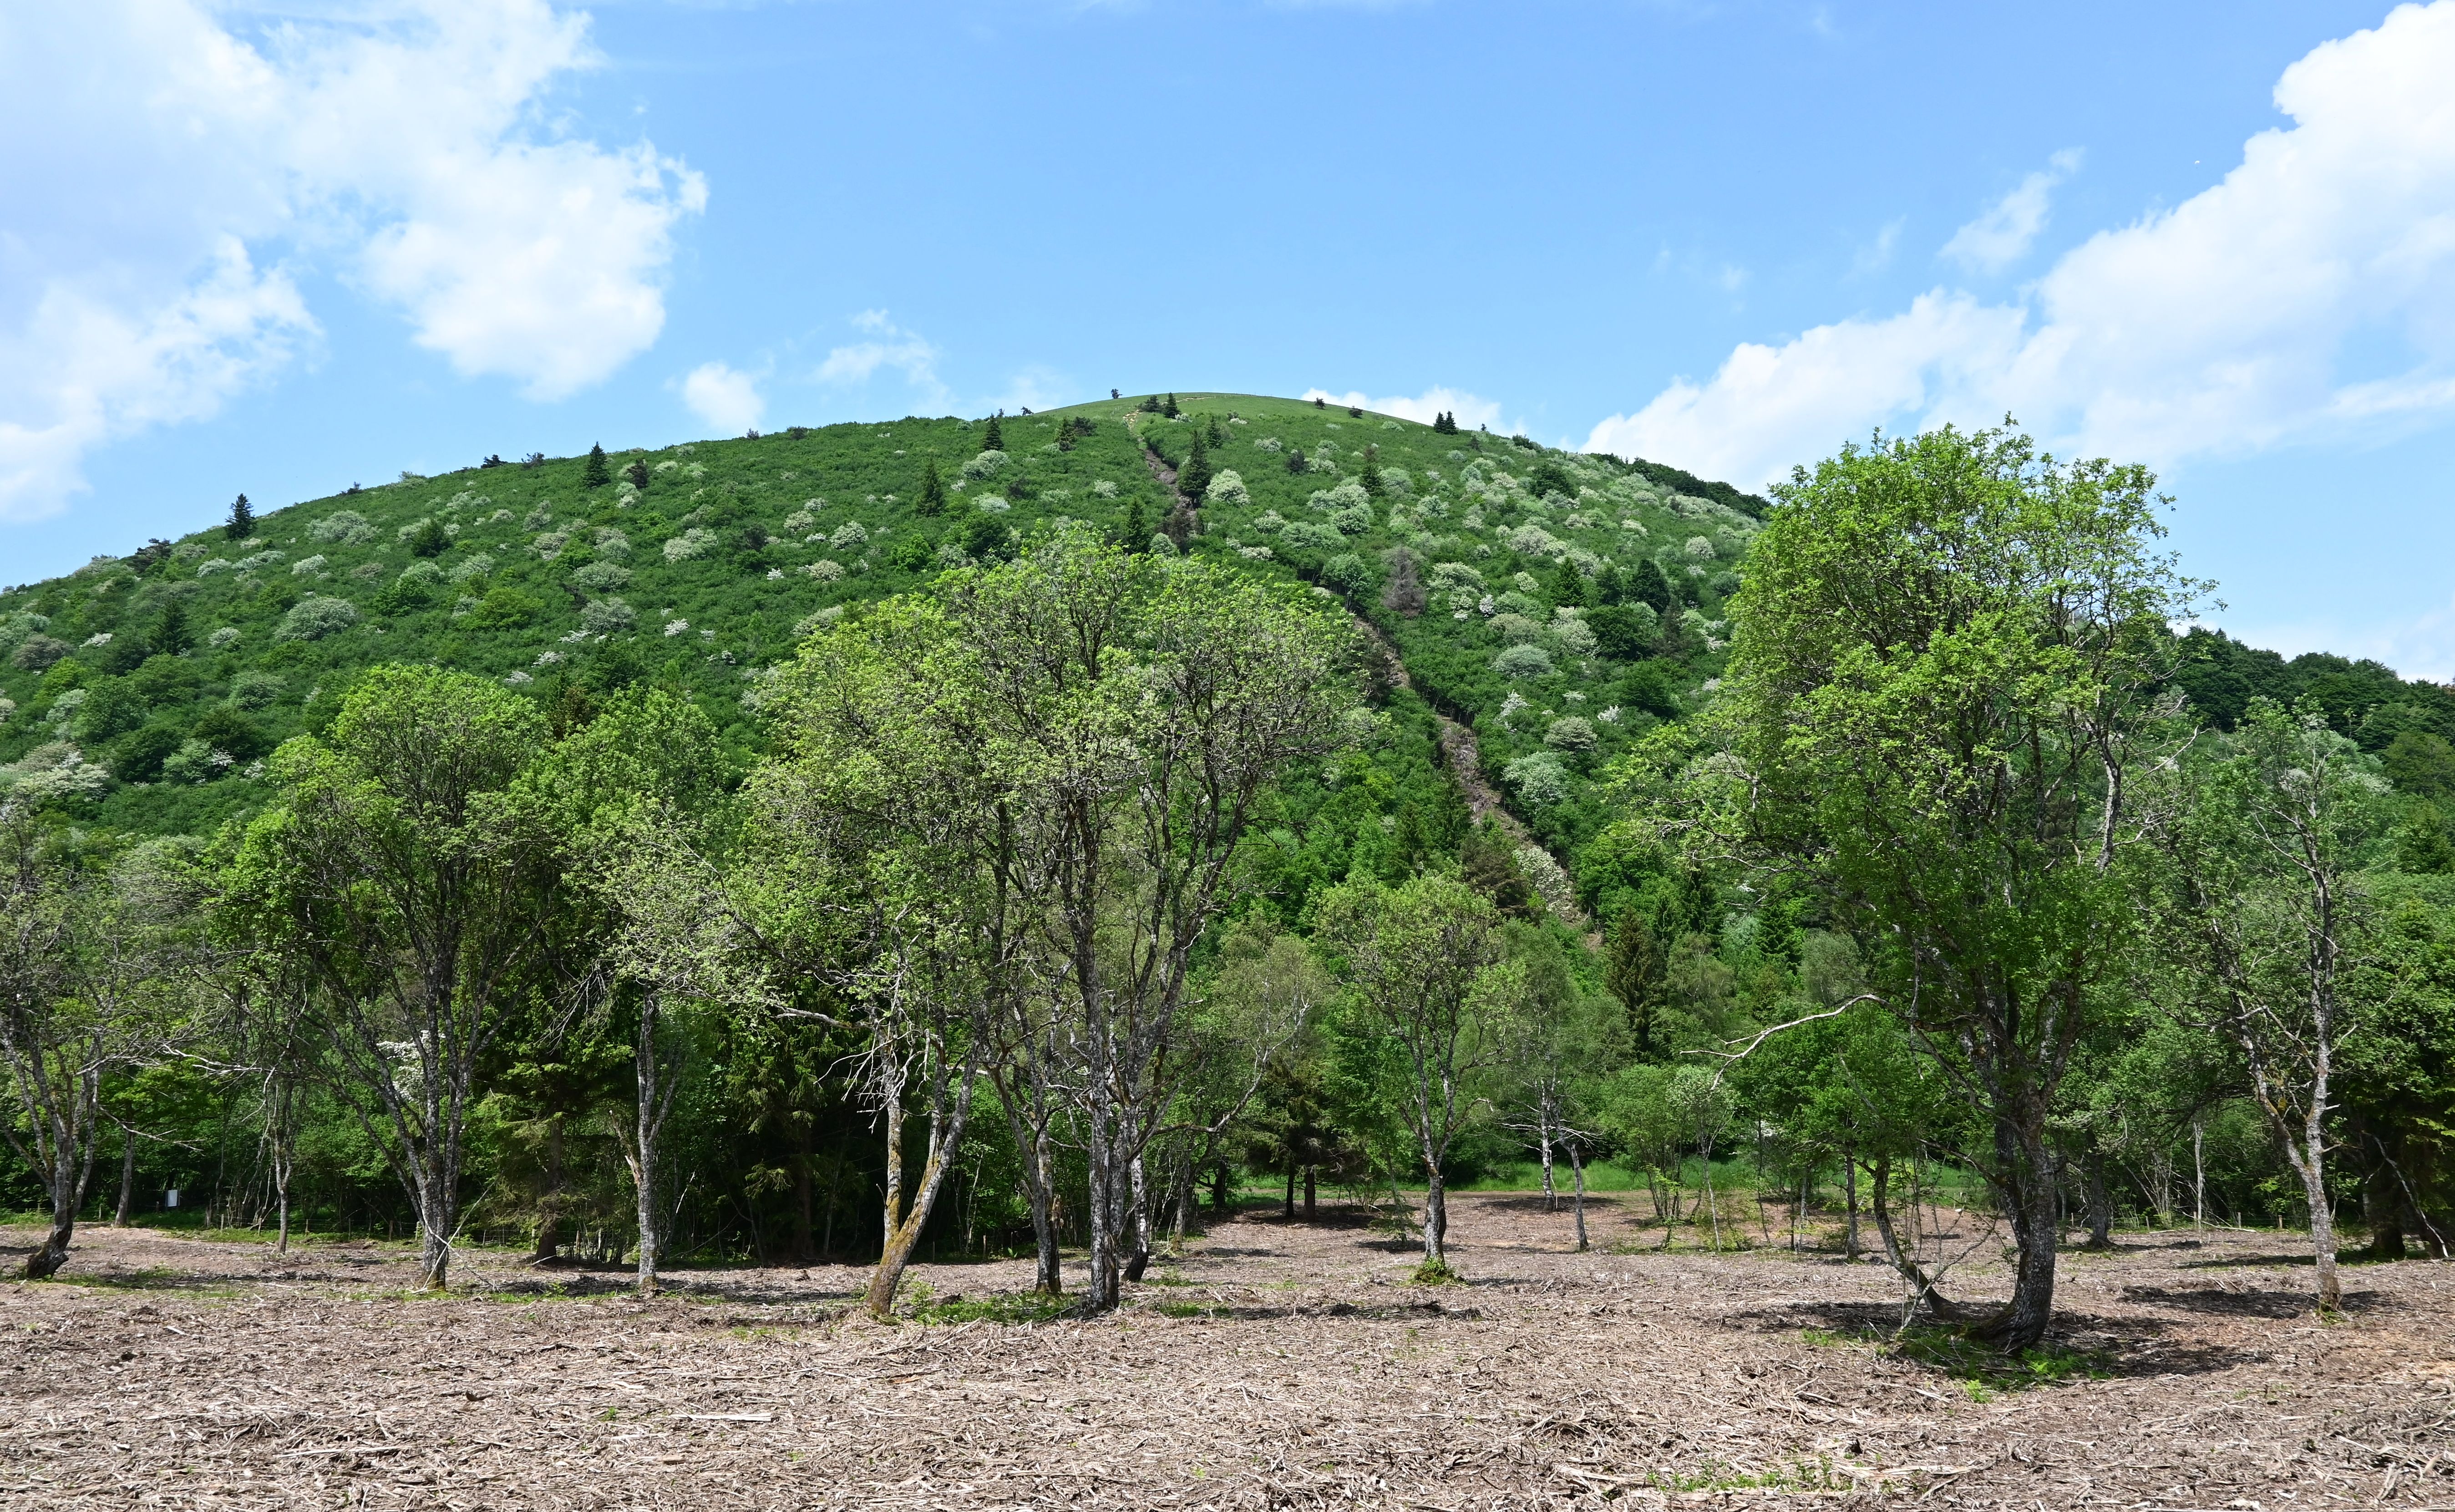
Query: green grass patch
column 998, row 1307
column 1983, row 1372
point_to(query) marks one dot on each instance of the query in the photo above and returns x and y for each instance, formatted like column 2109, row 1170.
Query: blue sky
column 280, row 250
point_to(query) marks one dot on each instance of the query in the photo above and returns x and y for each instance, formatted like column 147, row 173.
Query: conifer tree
column 1169, row 408
column 993, row 440
column 1373, row 487
column 1569, row 588
column 933, row 490
column 172, row 634
column 1210, row 428
column 637, row 472
column 242, row 520
column 1135, row 533
column 595, row 475
column 1296, row 463
column 1194, row 476
column 1647, row 585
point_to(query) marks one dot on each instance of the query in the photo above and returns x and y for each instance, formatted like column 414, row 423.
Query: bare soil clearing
column 1271, row 1365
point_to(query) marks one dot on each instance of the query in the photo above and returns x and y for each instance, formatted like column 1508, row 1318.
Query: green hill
column 143, row 689
column 1558, row 602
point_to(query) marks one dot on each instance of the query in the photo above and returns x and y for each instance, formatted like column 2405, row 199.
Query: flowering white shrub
column 1517, row 630
column 49, row 774
column 1700, row 547
column 848, row 534
column 1576, row 636
column 1254, row 553
column 518, row 679
column 1635, row 527
column 1549, row 880
column 548, row 545
column 99, row 637
column 343, row 527
column 255, row 691
column 992, row 506
column 1570, row 732
column 315, row 617
column 798, row 520
column 825, row 570
column 1609, row 716
column 8, row 707
column 676, row 627
column 690, row 544
column 599, row 576
column 1531, row 539
column 1538, row 780
column 538, row 518
column 186, row 551
column 262, row 559
column 605, row 615
column 1512, row 705
column 1349, row 495
column 422, row 573
column 64, row 709
column 472, row 567
column 1229, row 489
column 1396, row 481
column 305, row 566
column 697, row 470
column 1268, row 522
column 1105, row 488
column 985, row 464
column 1351, row 522
column 548, row 658
column 1523, row 661
column 813, row 624
column 667, row 466
column 1267, row 444
column 226, row 636
column 1304, row 533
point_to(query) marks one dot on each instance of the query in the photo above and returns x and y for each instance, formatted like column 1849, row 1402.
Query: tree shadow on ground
column 1536, row 1202
column 2080, row 1345
column 2218, row 1301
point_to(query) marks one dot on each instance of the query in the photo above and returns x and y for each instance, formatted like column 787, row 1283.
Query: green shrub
column 1523, row 661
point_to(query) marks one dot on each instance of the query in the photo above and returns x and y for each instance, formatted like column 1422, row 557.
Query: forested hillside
column 713, row 768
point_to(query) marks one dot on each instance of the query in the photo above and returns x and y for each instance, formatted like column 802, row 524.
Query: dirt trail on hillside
column 1271, row 1365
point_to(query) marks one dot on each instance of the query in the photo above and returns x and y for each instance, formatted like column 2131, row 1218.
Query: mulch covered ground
column 1271, row 1365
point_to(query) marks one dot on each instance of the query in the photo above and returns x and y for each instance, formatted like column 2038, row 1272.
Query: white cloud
column 891, row 347
column 2237, row 320
column 1469, row 410
column 1998, row 238
column 162, row 158
column 724, row 397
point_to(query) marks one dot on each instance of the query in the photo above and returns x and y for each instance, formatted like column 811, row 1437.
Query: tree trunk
column 2101, row 1206
column 2383, row 1202
column 1287, row 1213
column 1850, row 1186
column 1550, row 1193
column 127, row 1176
column 1219, row 1179
column 549, row 1233
column 1922, row 1287
column 1436, row 1214
column 1050, row 1278
column 2029, row 1187
column 1138, row 1262
column 435, row 1226
column 2198, row 1177
column 1308, row 1194
column 1577, row 1172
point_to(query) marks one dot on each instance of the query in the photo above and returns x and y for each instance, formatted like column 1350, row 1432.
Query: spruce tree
column 1373, row 487
column 1296, row 456
column 1647, row 585
column 933, row 490
column 1569, row 588
column 637, row 472
column 172, row 634
column 1169, row 408
column 1194, row 477
column 993, row 440
column 1134, row 535
column 242, row 520
column 1210, row 428
column 595, row 475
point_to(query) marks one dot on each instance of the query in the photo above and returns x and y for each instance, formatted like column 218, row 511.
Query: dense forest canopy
column 1022, row 833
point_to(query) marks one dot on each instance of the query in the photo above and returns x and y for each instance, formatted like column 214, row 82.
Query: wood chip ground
column 1272, row 1365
